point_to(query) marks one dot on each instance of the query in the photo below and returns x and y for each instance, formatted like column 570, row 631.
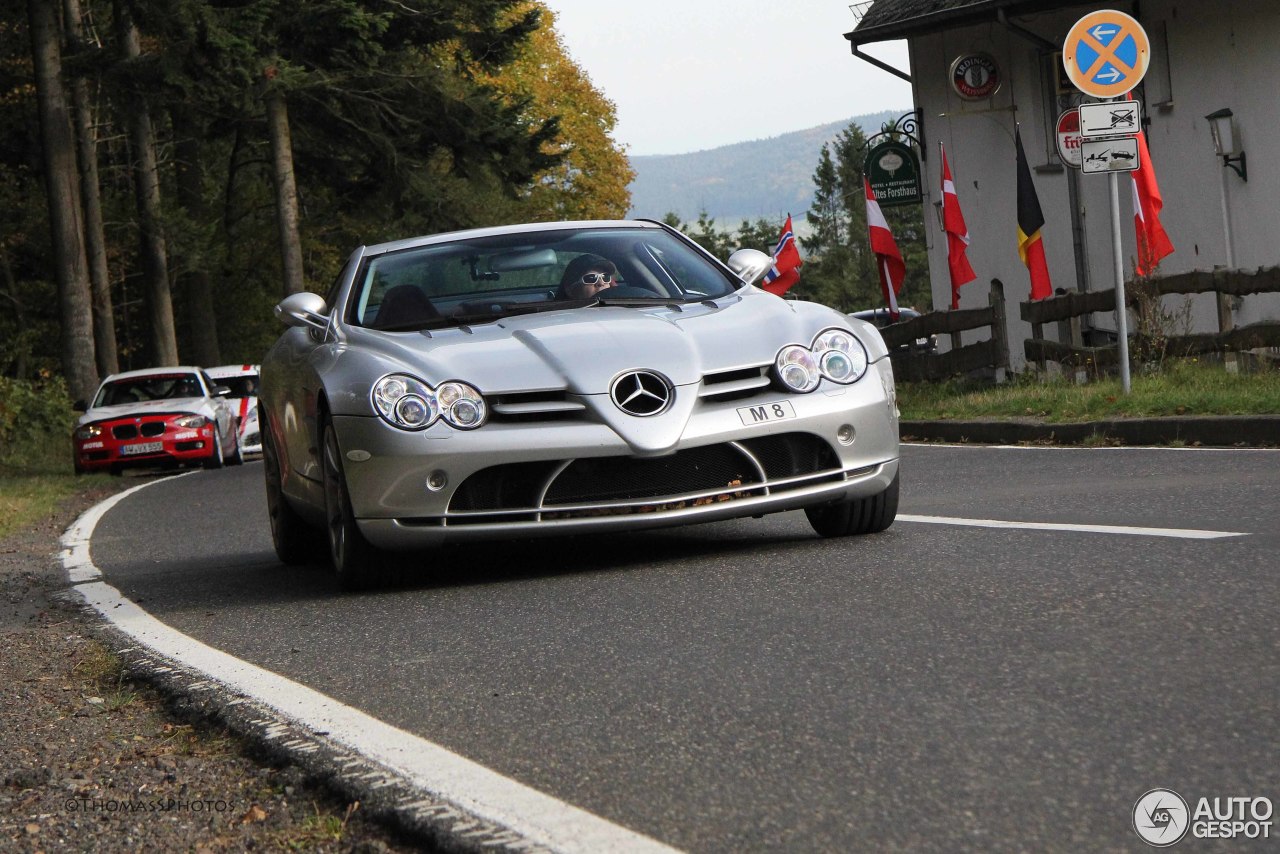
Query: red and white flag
column 1153, row 244
column 888, row 259
column 957, row 234
column 785, row 271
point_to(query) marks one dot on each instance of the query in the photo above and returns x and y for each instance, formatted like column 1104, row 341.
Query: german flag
column 1030, row 221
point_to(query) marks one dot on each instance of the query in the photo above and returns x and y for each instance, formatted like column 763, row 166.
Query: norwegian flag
column 888, row 259
column 785, row 271
column 957, row 234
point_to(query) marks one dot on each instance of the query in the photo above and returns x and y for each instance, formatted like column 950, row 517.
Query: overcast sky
column 687, row 75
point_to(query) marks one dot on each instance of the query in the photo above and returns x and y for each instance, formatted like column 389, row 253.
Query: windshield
column 241, row 386
column 483, row 279
column 152, row 387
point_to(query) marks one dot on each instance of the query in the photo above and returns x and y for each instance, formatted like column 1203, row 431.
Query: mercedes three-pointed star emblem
column 642, row 393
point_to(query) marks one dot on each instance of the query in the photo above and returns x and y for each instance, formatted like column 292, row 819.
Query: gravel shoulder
column 96, row 760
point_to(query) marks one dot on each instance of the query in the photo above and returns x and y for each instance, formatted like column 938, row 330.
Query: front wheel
column 294, row 540
column 857, row 515
column 215, row 459
column 354, row 559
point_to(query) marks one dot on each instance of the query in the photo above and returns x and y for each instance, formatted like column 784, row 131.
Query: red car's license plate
column 141, row 448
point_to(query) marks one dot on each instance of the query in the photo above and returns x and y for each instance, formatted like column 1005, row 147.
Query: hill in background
column 746, row 180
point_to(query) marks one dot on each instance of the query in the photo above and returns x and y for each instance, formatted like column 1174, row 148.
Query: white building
column 1206, row 55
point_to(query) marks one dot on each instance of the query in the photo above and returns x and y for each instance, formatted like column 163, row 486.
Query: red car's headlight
column 88, row 431
column 191, row 421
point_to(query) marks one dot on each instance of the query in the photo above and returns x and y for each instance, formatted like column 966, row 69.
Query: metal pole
column 1122, row 317
column 1225, row 321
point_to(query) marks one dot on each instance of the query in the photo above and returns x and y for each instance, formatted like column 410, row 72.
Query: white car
column 243, row 382
column 157, row 417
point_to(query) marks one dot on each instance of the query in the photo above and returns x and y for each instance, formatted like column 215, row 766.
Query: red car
column 158, row 417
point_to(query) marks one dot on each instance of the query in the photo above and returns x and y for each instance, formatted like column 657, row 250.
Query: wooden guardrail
column 1138, row 295
column 912, row 364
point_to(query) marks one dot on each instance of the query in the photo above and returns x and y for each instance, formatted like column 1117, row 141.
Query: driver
column 586, row 276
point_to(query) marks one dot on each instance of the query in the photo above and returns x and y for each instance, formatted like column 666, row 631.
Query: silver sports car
column 565, row 378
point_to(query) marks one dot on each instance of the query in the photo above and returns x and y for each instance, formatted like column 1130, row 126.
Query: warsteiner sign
column 893, row 168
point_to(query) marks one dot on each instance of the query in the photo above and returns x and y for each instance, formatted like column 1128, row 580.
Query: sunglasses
column 597, row 278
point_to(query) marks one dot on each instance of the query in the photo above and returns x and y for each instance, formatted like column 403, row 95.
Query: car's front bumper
column 413, row 490
column 175, row 446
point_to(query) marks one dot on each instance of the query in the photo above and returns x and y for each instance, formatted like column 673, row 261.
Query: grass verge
column 1179, row 388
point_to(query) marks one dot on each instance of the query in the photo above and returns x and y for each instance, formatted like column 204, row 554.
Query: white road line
column 1126, row 530
column 439, row 773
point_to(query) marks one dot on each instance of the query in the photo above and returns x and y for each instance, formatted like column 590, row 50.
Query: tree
column 62, row 190
column 591, row 179
column 146, row 181
column 95, row 238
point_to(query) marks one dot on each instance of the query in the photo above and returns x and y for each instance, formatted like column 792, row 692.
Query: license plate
column 766, row 412
column 141, row 448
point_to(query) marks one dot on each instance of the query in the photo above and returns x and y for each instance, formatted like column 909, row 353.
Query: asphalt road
column 748, row 686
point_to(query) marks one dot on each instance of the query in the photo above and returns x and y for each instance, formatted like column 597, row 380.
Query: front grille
column 153, row 428
column 527, row 492
column 622, row 478
column 125, row 431
column 527, row 406
column 735, row 384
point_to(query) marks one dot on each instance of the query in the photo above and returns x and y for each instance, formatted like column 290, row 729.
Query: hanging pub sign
column 975, row 76
column 893, row 168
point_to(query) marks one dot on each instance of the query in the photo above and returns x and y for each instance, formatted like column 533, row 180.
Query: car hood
column 194, row 405
column 583, row 350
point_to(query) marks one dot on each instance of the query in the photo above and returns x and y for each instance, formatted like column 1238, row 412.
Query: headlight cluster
column 191, row 422
column 410, row 404
column 88, row 431
column 834, row 354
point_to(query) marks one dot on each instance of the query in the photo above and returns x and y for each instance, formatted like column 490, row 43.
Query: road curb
column 1226, row 431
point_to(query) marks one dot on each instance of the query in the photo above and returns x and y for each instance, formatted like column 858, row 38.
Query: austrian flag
column 785, row 271
column 889, row 261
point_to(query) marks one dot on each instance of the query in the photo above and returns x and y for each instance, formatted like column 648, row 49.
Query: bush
column 36, row 420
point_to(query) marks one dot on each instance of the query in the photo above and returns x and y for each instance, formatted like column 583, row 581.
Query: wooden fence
column 1144, row 296
column 912, row 364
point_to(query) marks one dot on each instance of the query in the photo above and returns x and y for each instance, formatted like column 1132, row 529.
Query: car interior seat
column 404, row 305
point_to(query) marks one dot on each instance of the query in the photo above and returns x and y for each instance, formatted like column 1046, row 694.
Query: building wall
column 1205, row 56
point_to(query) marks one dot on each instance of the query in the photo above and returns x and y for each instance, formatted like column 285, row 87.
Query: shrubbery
column 36, row 419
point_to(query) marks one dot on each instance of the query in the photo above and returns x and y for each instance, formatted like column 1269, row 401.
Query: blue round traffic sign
column 1106, row 53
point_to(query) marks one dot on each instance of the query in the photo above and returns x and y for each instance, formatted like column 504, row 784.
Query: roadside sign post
column 1106, row 54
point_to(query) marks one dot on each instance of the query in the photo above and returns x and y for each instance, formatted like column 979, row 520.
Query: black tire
column 295, row 541
column 354, row 560
column 856, row 516
column 215, row 459
column 237, row 456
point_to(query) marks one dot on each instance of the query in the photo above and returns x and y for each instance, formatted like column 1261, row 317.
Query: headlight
column 461, row 405
column 88, row 431
column 797, row 369
column 841, row 356
column 836, row 354
column 191, row 422
column 410, row 404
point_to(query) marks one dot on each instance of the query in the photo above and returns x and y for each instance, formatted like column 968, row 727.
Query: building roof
column 900, row 19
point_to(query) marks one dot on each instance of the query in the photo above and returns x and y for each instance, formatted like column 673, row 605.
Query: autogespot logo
column 1161, row 818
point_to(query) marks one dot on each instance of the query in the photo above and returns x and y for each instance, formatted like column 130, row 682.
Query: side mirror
column 304, row 310
column 750, row 264
column 221, row 391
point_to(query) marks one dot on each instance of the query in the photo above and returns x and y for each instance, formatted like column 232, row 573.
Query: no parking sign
column 1106, row 53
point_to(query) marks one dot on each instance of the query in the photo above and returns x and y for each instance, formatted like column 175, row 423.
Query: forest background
column 170, row 169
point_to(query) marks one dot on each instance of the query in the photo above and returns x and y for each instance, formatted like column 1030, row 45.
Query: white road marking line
column 1126, row 530
column 439, row 773
column 75, row 540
